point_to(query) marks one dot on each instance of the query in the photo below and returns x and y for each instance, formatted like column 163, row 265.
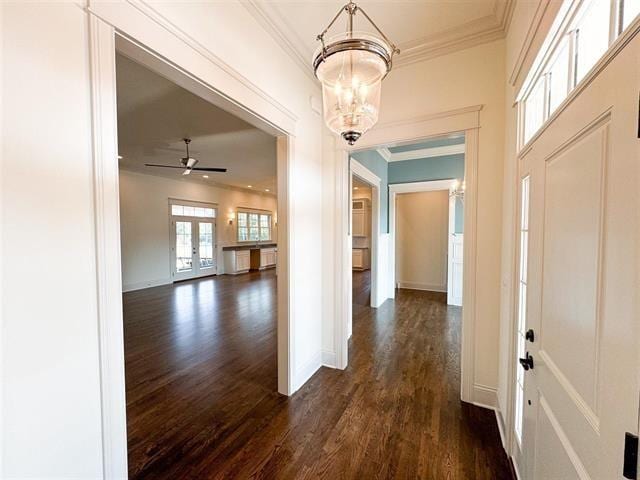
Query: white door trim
column 243, row 99
column 372, row 179
column 463, row 120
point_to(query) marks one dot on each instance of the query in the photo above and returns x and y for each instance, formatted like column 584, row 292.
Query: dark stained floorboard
column 202, row 401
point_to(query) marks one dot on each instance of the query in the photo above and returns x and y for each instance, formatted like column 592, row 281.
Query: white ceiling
column 420, row 28
column 154, row 115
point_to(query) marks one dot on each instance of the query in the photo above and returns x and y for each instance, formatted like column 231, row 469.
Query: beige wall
column 422, row 224
column 144, row 221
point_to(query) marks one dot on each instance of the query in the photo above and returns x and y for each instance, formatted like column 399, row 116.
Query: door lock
column 527, row 362
column 530, row 335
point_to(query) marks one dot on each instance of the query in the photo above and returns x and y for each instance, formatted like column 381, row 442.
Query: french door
column 193, row 247
column 578, row 333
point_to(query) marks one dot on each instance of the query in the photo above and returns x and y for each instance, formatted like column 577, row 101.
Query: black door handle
column 527, row 362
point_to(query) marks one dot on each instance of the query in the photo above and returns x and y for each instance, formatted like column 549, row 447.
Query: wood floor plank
column 202, row 403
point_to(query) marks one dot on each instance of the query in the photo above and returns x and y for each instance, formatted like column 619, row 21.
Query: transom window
column 254, row 226
column 580, row 36
column 181, row 210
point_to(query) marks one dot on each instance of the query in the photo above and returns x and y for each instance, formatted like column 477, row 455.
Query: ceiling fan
column 188, row 163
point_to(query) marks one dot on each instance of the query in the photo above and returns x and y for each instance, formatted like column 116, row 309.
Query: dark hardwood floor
column 202, row 401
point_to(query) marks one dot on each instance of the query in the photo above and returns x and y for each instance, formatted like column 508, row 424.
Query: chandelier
column 351, row 67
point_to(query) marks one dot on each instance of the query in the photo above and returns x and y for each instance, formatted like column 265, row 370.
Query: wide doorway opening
column 199, row 248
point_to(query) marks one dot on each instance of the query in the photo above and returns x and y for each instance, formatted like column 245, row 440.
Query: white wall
column 422, row 228
column 474, row 76
column 51, row 412
column 146, row 236
column 50, row 374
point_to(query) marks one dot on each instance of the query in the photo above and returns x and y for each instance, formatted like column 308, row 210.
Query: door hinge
column 630, row 468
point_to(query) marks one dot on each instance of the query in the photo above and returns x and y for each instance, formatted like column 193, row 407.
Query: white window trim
column 259, row 212
column 561, row 27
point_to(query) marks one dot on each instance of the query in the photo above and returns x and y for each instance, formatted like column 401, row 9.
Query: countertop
column 249, row 246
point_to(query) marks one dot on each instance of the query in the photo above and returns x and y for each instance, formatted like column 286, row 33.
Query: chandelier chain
column 351, row 8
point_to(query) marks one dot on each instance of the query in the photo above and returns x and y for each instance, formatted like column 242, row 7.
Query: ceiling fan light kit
column 188, row 163
column 351, row 67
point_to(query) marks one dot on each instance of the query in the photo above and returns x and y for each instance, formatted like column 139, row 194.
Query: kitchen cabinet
column 263, row 258
column 237, row 261
column 361, row 259
column 360, row 217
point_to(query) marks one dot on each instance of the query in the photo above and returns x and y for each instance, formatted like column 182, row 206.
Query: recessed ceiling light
column 205, row 176
column 266, row 189
column 355, row 188
column 249, row 186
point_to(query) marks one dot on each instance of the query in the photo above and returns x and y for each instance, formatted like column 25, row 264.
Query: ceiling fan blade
column 164, row 166
column 187, row 171
column 210, row 169
column 189, row 162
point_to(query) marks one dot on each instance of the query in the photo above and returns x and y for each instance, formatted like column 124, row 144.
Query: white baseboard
column 306, row 371
column 422, row 286
column 329, row 359
column 141, row 285
column 485, row 396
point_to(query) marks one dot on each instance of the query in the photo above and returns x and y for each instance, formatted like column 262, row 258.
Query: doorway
column 193, row 239
column 105, row 42
column 427, row 231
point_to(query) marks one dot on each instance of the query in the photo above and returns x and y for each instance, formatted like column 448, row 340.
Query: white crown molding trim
column 427, row 153
column 385, row 153
column 271, row 27
column 476, row 32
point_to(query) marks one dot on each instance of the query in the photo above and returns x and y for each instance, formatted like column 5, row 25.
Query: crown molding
column 477, row 32
column 427, row 153
column 277, row 28
column 385, row 153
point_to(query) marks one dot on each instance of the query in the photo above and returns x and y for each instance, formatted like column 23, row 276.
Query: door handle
column 527, row 362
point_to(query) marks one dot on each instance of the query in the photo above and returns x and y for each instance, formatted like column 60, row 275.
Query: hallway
column 202, row 401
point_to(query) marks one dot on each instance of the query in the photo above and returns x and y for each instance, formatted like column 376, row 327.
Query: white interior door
column 578, row 291
column 193, row 248
column 454, row 258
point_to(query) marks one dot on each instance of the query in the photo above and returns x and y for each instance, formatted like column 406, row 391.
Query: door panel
column 572, row 233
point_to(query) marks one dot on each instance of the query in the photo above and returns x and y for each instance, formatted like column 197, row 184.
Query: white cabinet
column 263, row 258
column 361, row 217
column 360, row 259
column 237, row 261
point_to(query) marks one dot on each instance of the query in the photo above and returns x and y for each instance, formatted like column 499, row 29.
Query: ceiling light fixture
column 266, row 189
column 351, row 67
column 205, row 176
column 249, row 186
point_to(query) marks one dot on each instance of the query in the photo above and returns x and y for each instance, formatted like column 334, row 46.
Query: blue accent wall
column 373, row 161
column 421, row 170
column 424, row 169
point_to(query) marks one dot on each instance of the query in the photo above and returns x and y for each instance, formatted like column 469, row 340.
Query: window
column 192, row 211
column 522, row 304
column 579, row 38
column 630, row 10
column 254, row 226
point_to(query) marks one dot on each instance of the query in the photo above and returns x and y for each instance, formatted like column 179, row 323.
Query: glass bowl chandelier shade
column 351, row 67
